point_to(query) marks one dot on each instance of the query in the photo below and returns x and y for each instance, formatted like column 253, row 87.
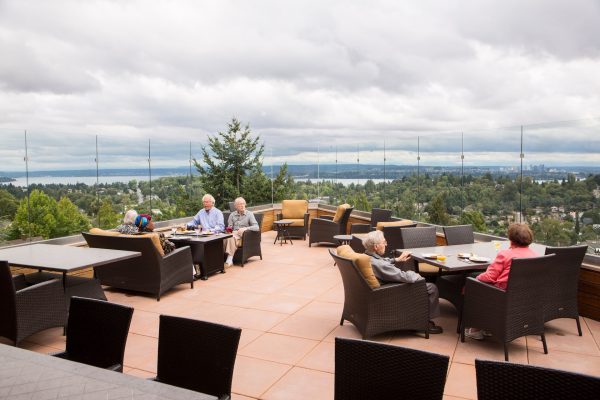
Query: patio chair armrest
column 323, row 222
column 20, row 282
column 327, row 217
column 251, row 236
column 360, row 228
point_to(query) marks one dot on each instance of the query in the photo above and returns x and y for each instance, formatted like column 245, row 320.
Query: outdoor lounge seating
column 371, row 370
column 96, row 333
column 27, row 309
column 324, row 228
column 297, row 211
column 501, row 380
column 197, row 355
column 562, row 299
column 514, row 312
column 250, row 243
column 151, row 273
column 375, row 308
column 377, row 215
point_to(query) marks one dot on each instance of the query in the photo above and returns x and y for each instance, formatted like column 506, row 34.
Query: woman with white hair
column 128, row 226
column 386, row 271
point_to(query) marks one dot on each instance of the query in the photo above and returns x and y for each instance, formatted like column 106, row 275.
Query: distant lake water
column 88, row 180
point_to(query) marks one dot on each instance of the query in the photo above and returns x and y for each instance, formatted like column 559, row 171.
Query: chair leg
column 505, row 351
column 578, row 326
column 342, row 321
column 544, row 343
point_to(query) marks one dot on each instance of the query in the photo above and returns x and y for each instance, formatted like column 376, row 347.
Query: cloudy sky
column 309, row 76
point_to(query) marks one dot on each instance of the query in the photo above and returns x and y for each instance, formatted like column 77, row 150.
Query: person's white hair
column 372, row 238
column 239, row 200
column 130, row 216
column 209, row 197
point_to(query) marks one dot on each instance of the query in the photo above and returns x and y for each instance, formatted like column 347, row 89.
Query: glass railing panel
column 561, row 175
column 492, row 167
column 13, row 191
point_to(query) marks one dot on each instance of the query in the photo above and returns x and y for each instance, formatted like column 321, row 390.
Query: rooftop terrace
column 289, row 306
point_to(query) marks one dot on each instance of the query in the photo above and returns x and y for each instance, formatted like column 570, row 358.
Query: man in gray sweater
column 385, row 271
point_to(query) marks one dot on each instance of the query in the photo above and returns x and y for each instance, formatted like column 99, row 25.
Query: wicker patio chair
column 197, row 355
column 393, row 237
column 25, row 310
column 377, row 215
column 514, row 312
column 390, row 307
column 150, row 273
column 500, row 380
column 296, row 210
column 250, row 243
column 420, row 237
column 459, row 234
column 371, row 370
column 323, row 229
column 96, row 333
column 562, row 299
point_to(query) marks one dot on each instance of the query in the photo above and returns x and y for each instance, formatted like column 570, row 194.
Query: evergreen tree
column 283, row 185
column 229, row 158
column 437, row 211
column 8, row 204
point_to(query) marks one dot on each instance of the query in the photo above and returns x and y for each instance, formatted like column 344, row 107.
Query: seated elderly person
column 239, row 221
column 144, row 223
column 386, row 271
column 128, row 226
column 209, row 218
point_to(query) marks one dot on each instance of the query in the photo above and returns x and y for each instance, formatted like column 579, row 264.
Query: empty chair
column 514, row 312
column 393, row 236
column 25, row 310
column 197, row 355
column 459, row 234
column 377, row 215
column 250, row 243
column 371, row 370
column 420, row 237
column 323, row 229
column 297, row 211
column 562, row 298
column 500, row 380
column 375, row 308
column 96, row 333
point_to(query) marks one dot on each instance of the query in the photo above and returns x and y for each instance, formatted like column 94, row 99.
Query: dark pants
column 434, row 300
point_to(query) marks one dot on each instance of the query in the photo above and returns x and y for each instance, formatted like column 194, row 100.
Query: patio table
column 26, row 374
column 207, row 251
column 65, row 259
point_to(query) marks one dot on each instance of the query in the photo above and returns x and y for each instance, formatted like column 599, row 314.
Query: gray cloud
column 304, row 74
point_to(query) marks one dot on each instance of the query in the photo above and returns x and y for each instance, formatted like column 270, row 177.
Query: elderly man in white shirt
column 239, row 221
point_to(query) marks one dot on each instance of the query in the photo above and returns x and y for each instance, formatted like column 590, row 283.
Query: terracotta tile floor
column 289, row 306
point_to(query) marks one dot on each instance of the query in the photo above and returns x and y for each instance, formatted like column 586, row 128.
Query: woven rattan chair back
column 500, row 380
column 418, row 237
column 380, row 215
column 459, row 234
column 393, row 237
column 197, row 355
column 564, row 284
column 371, row 370
column 97, row 333
column 8, row 306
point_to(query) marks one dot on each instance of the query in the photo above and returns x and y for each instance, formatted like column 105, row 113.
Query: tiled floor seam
column 589, row 328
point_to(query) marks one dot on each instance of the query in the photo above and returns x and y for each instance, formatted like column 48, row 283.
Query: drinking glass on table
column 198, row 229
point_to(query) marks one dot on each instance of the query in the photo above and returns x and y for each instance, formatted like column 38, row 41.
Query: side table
column 343, row 239
column 282, row 232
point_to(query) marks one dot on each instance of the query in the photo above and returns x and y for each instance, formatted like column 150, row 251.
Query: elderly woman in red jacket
column 520, row 236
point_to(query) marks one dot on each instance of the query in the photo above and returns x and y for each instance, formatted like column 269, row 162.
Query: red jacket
column 497, row 272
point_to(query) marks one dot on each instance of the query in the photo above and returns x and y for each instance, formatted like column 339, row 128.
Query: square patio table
column 65, row 259
column 207, row 251
column 26, row 374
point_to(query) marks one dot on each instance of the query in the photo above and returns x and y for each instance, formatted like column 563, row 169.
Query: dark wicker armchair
column 296, row 210
column 393, row 237
column 377, row 215
column 391, row 307
column 420, row 237
column 459, row 234
column 197, row 355
column 250, row 243
column 150, row 273
column 562, row 301
column 500, row 380
column 371, row 370
column 25, row 310
column 514, row 312
column 323, row 229
column 96, row 333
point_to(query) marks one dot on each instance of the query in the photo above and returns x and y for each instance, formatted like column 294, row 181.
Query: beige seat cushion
column 428, row 268
column 294, row 209
column 340, row 211
column 380, row 225
column 98, row 231
column 362, row 261
column 155, row 240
